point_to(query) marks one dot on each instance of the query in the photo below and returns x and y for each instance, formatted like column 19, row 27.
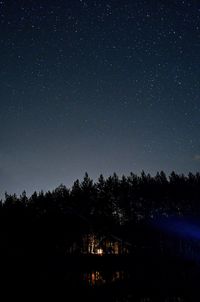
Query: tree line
column 114, row 204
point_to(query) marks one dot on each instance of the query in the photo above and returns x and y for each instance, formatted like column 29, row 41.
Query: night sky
column 98, row 86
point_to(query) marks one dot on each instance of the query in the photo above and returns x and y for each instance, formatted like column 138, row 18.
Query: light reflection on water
column 116, row 286
column 95, row 278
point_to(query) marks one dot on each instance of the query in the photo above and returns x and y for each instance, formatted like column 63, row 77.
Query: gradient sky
column 99, row 86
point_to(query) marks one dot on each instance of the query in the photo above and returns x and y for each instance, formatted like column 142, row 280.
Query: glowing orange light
column 99, row 251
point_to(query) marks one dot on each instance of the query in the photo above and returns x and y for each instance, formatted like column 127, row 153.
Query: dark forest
column 42, row 235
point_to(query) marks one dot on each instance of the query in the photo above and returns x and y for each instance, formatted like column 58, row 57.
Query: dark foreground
column 144, row 277
column 152, row 223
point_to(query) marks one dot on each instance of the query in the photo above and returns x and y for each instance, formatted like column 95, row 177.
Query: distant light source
column 99, row 251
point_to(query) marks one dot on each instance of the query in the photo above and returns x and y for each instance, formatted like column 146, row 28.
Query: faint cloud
column 197, row 157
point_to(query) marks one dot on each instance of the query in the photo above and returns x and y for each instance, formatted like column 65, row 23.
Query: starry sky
column 100, row 86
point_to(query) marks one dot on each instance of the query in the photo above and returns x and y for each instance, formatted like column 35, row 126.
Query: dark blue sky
column 97, row 86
